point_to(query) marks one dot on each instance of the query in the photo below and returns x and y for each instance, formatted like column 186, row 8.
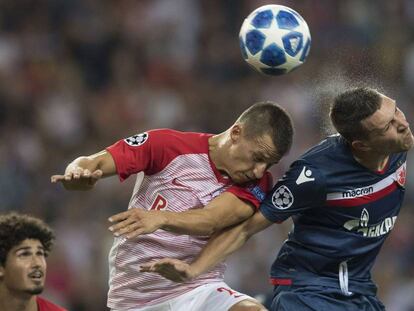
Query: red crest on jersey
column 401, row 175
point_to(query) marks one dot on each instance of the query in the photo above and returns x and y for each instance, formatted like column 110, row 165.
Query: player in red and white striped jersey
column 184, row 172
column 24, row 244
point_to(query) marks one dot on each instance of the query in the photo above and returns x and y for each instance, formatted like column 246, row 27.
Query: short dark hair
column 15, row 228
column 269, row 118
column 350, row 108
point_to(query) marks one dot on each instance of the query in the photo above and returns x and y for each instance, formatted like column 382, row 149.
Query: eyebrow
column 268, row 158
column 267, row 153
column 28, row 248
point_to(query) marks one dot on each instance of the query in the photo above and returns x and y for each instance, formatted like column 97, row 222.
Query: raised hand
column 172, row 269
column 78, row 178
column 135, row 222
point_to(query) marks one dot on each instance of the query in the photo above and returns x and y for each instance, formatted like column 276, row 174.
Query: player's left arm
column 225, row 210
column 219, row 247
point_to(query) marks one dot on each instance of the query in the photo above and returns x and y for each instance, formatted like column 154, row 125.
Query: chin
column 35, row 290
column 411, row 144
column 408, row 145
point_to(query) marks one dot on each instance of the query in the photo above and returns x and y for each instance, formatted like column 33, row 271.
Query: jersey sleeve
column 254, row 193
column 302, row 187
column 143, row 152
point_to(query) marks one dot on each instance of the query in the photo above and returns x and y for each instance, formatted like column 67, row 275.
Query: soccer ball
column 274, row 39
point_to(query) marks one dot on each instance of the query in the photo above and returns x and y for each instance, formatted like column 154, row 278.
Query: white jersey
column 175, row 174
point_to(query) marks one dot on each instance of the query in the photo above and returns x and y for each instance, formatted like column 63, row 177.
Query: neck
column 374, row 162
column 17, row 301
column 216, row 148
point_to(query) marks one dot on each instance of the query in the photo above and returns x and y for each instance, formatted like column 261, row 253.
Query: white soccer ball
column 274, row 39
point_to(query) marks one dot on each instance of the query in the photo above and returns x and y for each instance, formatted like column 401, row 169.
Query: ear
column 360, row 145
column 236, row 132
column 2, row 271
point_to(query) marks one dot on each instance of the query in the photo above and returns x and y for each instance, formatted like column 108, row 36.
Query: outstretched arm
column 224, row 211
column 83, row 172
column 218, row 248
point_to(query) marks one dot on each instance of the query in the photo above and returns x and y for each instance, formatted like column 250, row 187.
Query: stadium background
column 76, row 75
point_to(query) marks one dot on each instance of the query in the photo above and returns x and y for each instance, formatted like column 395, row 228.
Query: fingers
column 168, row 268
column 97, row 174
column 76, row 174
column 134, row 222
column 135, row 233
column 120, row 216
column 129, row 228
column 128, row 224
column 147, row 267
column 156, row 265
column 56, row 178
column 172, row 269
column 122, row 224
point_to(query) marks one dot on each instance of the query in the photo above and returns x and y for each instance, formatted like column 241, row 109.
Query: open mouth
column 36, row 275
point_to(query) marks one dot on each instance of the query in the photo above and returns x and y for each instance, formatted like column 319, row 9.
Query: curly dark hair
column 15, row 228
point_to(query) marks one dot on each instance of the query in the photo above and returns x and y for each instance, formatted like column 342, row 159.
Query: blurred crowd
column 77, row 75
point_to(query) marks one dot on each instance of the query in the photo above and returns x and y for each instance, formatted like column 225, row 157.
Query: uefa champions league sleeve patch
column 282, row 198
column 137, row 140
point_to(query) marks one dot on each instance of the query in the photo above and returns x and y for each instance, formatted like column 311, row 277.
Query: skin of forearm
column 194, row 222
column 207, row 221
column 223, row 211
column 220, row 246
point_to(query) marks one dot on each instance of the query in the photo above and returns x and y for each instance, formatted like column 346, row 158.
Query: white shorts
column 214, row 296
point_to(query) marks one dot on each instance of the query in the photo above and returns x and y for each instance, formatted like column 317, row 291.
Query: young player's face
column 25, row 268
column 389, row 130
column 248, row 159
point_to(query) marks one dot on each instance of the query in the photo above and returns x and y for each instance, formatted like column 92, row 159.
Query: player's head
column 25, row 242
column 260, row 137
column 371, row 121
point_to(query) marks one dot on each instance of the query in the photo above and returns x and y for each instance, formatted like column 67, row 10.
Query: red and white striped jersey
column 175, row 173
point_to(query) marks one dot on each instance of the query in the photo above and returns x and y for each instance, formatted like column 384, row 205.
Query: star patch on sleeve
column 137, row 140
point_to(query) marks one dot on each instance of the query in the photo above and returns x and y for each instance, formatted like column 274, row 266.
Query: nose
column 402, row 122
column 259, row 170
column 37, row 261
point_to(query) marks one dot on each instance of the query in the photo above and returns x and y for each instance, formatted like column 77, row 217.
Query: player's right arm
column 125, row 157
column 83, row 172
column 300, row 189
column 219, row 247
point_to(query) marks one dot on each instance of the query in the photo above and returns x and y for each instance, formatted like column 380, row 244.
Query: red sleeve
column 139, row 153
column 254, row 193
column 45, row 305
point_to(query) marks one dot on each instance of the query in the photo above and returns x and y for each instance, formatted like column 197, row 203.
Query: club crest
column 401, row 175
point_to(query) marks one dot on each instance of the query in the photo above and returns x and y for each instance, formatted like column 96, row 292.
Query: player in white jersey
column 177, row 171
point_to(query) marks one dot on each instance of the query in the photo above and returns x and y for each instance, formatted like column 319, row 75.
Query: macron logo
column 304, row 176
